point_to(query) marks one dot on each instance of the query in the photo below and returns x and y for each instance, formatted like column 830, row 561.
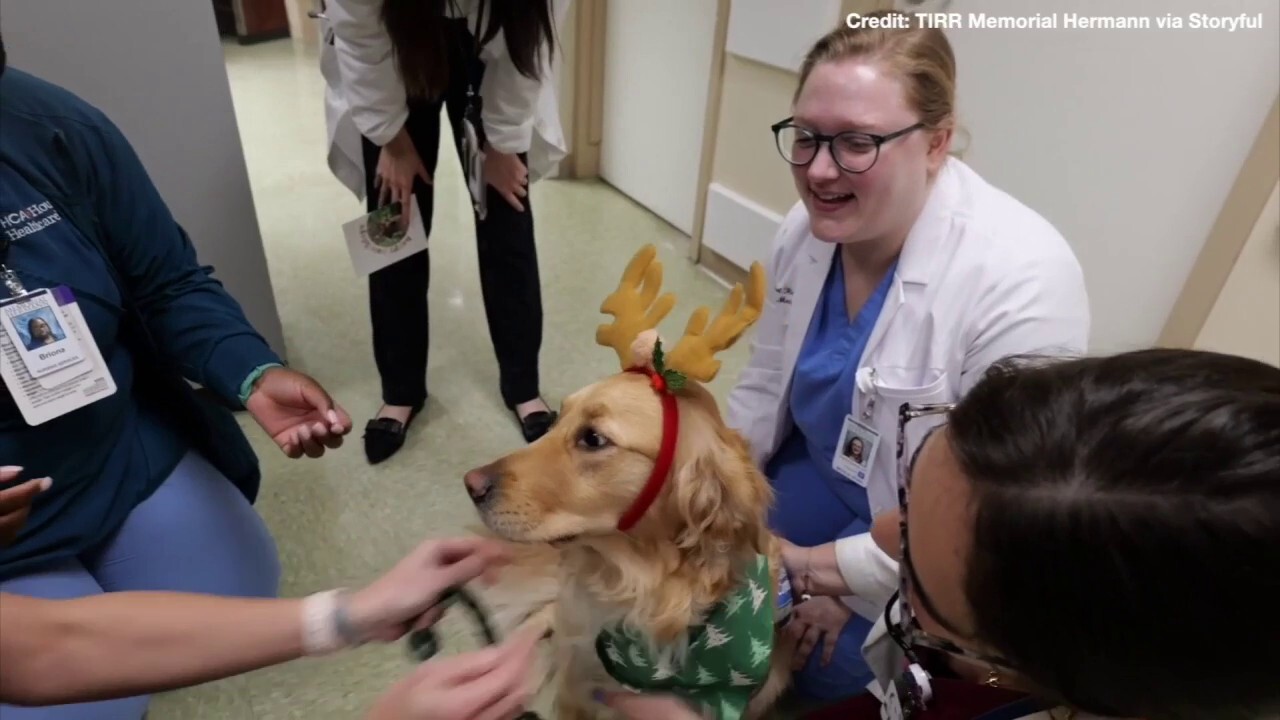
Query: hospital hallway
column 337, row 520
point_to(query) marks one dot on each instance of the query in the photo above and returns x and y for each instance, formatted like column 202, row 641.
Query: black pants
column 508, row 261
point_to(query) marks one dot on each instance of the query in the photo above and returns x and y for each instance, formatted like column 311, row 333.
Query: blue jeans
column 196, row 533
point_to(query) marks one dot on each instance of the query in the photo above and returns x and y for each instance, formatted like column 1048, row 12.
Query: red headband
column 664, row 383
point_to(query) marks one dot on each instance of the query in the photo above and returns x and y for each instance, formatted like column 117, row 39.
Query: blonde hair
column 920, row 56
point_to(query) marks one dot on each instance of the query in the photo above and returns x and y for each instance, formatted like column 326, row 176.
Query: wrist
column 400, row 144
column 327, row 625
column 353, row 632
column 254, row 379
column 361, row 614
column 808, row 571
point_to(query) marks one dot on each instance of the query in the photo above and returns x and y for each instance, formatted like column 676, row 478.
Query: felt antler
column 635, row 305
column 637, row 310
column 694, row 355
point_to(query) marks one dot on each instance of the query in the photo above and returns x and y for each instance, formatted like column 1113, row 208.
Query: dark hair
column 1126, row 547
column 417, row 30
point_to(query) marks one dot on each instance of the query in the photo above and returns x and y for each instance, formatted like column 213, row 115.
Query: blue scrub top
column 815, row 503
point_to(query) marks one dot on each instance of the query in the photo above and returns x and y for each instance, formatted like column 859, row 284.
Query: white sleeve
column 1038, row 306
column 511, row 99
column 867, row 570
column 760, row 384
column 371, row 84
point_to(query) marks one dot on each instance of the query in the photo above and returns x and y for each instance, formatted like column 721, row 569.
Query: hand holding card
column 297, row 413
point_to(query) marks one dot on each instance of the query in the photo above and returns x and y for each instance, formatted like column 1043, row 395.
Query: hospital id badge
column 41, row 338
column 908, row 696
column 65, row 390
column 473, row 168
column 856, row 452
column 891, row 705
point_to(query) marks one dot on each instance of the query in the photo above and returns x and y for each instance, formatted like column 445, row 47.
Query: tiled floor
column 338, row 521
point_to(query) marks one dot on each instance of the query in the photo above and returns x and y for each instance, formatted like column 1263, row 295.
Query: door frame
column 586, row 74
column 587, row 107
column 1236, row 221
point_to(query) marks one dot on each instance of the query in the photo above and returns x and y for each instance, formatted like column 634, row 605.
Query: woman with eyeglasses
column 900, row 275
column 1099, row 534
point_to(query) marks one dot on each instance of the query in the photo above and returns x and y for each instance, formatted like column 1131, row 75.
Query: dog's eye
column 592, row 440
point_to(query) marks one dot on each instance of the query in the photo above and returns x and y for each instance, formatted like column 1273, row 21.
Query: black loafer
column 536, row 424
column 383, row 437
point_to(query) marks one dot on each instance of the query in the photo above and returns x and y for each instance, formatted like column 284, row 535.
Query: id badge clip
column 866, row 381
column 908, row 695
column 12, row 282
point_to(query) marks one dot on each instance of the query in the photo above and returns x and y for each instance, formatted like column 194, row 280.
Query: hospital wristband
column 246, row 387
column 320, row 635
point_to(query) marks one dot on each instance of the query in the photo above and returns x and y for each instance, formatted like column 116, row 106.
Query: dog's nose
column 479, row 484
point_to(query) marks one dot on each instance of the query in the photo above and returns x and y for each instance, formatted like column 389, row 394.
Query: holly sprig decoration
column 674, row 380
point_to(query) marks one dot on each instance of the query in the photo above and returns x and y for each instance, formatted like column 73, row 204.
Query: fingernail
column 333, row 418
column 45, row 484
column 11, row 468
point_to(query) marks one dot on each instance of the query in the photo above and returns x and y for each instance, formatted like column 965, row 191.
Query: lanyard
column 866, row 382
column 10, row 278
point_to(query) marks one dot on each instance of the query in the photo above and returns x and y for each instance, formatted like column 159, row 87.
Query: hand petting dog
column 489, row 684
column 820, row 619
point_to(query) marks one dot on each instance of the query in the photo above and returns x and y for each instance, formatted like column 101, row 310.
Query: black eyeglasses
column 906, row 631
column 854, row 152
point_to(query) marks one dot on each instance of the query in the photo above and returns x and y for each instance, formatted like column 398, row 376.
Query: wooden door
column 258, row 20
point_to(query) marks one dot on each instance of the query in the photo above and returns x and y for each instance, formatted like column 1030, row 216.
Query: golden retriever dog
column 560, row 499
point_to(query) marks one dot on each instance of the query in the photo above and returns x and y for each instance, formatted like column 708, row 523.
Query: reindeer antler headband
column 637, row 309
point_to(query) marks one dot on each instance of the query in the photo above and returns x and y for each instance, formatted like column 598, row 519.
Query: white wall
column 658, row 57
column 1127, row 140
column 156, row 68
column 779, row 34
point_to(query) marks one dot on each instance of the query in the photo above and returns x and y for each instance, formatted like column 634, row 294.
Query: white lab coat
column 365, row 96
column 981, row 277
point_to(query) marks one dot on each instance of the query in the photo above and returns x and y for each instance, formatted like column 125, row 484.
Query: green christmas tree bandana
column 728, row 658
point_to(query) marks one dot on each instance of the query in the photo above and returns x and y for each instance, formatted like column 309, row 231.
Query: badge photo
column 40, row 333
column 855, row 453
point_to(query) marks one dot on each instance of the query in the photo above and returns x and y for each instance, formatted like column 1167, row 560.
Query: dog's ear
column 719, row 496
